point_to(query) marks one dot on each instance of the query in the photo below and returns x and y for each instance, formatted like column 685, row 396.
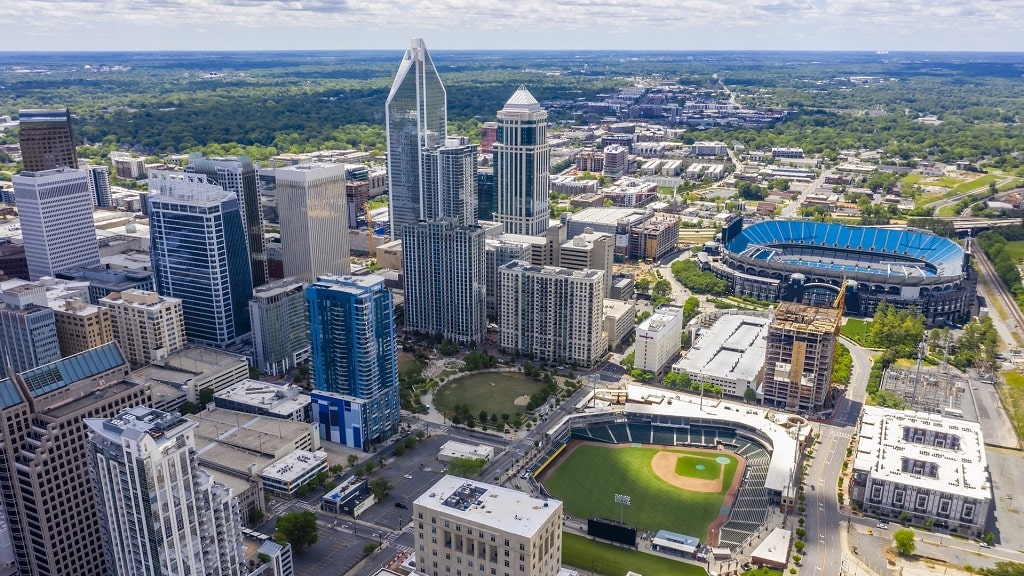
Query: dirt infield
column 664, row 466
column 728, row 499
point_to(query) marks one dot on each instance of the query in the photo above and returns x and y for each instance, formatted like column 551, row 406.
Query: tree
column 352, row 459
column 380, row 487
column 904, row 541
column 1004, row 569
column 466, row 467
column 628, row 361
column 690, row 308
column 750, row 395
column 299, row 529
column 369, row 548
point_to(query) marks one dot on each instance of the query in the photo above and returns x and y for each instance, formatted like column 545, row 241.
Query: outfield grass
column 857, row 330
column 688, row 466
column 586, row 554
column 494, row 392
column 588, row 479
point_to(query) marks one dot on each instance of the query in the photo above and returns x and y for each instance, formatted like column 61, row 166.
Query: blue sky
column 955, row 25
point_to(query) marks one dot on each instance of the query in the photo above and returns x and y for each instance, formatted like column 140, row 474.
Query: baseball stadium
column 804, row 261
column 706, row 468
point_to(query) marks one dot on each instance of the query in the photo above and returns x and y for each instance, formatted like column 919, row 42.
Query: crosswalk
column 307, row 506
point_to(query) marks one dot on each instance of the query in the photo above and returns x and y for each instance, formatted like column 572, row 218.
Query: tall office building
column 486, row 194
column 314, row 226
column 159, row 512
column 28, row 327
column 616, row 161
column 593, row 250
column 55, row 208
column 147, row 325
column 48, row 495
column 280, row 325
column 443, row 266
column 238, row 175
column 46, row 139
column 552, row 314
column 80, row 325
column 355, row 364
column 99, row 185
column 522, row 162
column 449, row 182
column 197, row 242
column 799, row 355
column 417, row 121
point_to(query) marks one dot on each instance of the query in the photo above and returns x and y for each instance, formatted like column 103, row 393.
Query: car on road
column 984, row 544
column 882, row 525
column 407, row 475
column 401, row 505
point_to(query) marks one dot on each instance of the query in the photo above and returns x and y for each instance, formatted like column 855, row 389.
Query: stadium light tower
column 622, row 500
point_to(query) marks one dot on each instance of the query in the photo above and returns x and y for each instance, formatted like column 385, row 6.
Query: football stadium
column 803, row 261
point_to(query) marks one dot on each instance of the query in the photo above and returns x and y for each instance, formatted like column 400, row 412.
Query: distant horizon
column 594, row 50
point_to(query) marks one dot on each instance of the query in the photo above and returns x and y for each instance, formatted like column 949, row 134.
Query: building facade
column 28, row 328
column 314, row 226
column 159, row 512
column 552, row 314
column 148, row 326
column 514, row 534
column 416, row 117
column 355, row 366
column 450, row 181
column 238, row 175
column 590, row 250
column 46, row 139
column 197, row 242
column 445, row 280
column 522, row 160
column 658, row 339
column 616, row 161
column 497, row 253
column 280, row 325
column 799, row 355
column 99, row 185
column 55, row 209
column 49, row 498
column 80, row 325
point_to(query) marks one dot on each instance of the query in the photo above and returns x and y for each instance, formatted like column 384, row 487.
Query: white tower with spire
column 522, row 159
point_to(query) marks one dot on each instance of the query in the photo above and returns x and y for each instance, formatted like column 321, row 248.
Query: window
column 898, row 497
column 968, row 512
column 876, row 492
column 922, row 501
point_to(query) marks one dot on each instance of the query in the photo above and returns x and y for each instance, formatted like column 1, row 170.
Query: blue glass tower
column 355, row 362
column 197, row 242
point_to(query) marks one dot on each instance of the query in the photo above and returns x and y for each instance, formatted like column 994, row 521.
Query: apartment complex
column 522, row 159
column 147, row 325
column 590, row 250
column 46, row 139
column 450, row 181
column 468, row 527
column 49, row 498
column 497, row 253
column 314, row 222
column 80, row 325
column 552, row 314
column 616, row 161
column 189, row 523
column 798, row 359
column 280, row 325
column 445, row 280
column 99, row 185
column 658, row 339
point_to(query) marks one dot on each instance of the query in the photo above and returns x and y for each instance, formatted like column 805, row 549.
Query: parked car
column 401, row 505
column 882, row 525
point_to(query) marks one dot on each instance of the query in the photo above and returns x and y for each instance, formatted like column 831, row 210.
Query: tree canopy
column 297, row 528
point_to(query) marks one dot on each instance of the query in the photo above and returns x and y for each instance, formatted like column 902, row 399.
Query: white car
column 882, row 525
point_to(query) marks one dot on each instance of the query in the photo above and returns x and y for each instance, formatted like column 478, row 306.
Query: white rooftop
column 522, row 100
column 775, row 548
column 924, row 450
column 508, row 510
column 733, row 348
column 661, row 319
column 278, row 399
column 294, row 465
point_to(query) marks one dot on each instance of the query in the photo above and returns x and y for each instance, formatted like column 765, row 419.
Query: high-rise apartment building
column 280, row 325
column 159, row 512
column 314, row 226
column 488, row 136
column 48, row 495
column 616, row 161
column 55, row 209
column 355, row 366
column 522, row 162
column 417, row 120
column 497, row 253
column 553, row 314
column 593, row 250
column 46, row 139
column 80, row 325
column 147, row 325
column 443, row 266
column 658, row 339
column 450, row 182
column 197, row 242
column 238, row 175
column 127, row 166
column 511, row 533
column 28, row 328
column 99, row 185
column 486, row 194
column 799, row 355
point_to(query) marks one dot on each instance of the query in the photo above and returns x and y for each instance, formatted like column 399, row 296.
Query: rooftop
column 608, row 216
column 294, row 466
column 734, row 348
column 283, row 399
column 137, row 421
column 551, row 270
column 522, row 100
column 805, row 318
column 509, row 510
column 661, row 318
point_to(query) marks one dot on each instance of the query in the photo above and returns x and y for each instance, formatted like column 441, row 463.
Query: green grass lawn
column 586, row 554
column 857, row 330
column 1013, row 396
column 406, row 361
column 1015, row 250
column 763, row 572
column 911, row 179
column 701, row 468
column 494, row 392
column 975, row 184
column 588, row 480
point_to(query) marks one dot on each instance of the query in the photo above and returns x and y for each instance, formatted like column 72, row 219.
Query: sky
column 872, row 25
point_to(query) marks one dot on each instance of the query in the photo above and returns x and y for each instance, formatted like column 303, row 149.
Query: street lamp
column 622, row 500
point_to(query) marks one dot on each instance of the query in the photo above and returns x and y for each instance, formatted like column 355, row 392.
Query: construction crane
column 369, row 231
column 840, row 302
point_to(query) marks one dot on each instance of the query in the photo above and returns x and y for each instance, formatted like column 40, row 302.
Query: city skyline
column 564, row 24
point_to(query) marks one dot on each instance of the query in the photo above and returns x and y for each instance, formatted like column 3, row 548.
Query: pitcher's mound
column 522, row 400
column 664, row 466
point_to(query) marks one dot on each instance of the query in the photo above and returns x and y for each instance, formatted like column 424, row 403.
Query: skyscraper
column 445, row 279
column 197, row 242
column 417, row 120
column 314, row 224
column 449, row 182
column 355, row 365
column 522, row 161
column 280, row 325
column 28, row 327
column 56, row 220
column 238, row 175
column 48, row 495
column 99, row 185
column 159, row 512
column 46, row 139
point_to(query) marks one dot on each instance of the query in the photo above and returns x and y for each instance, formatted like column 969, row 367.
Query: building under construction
column 798, row 360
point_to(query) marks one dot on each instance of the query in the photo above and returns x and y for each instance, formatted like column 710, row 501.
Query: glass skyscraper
column 355, row 362
column 522, row 163
column 197, row 242
column 417, row 119
column 46, row 139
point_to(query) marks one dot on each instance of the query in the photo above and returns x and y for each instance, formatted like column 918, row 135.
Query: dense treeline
column 994, row 243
